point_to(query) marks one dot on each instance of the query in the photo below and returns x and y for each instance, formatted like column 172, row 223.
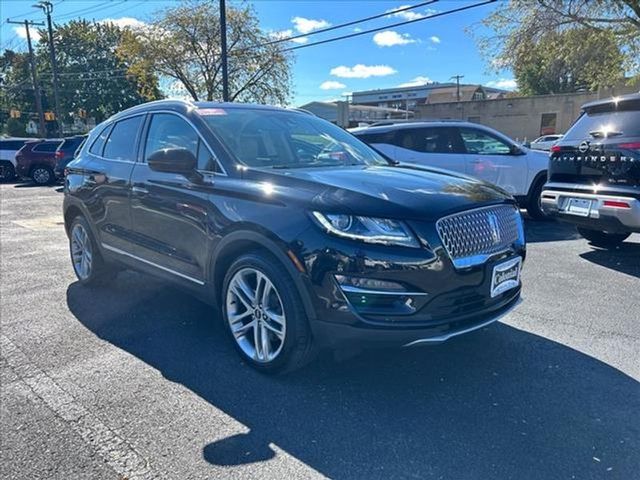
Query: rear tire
column 86, row 260
column 603, row 239
column 534, row 205
column 275, row 321
column 42, row 175
column 7, row 172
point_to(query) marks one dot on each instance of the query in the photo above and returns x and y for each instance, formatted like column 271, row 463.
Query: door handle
column 139, row 190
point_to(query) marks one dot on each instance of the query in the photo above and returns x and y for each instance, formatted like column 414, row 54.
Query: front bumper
column 440, row 300
column 609, row 212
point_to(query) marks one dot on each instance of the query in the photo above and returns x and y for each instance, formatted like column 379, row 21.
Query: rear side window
column 376, row 137
column 121, row 144
column 98, row 143
column 47, row 147
column 593, row 125
column 170, row 131
column 427, row 140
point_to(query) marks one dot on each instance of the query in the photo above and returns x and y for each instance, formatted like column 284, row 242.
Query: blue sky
column 429, row 50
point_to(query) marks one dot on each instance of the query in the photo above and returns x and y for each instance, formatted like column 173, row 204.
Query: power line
column 353, row 22
column 393, row 25
column 92, row 9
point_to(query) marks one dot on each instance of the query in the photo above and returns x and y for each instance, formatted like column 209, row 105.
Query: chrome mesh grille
column 470, row 237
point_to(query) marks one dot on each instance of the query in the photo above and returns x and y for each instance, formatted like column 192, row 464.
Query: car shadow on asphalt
column 625, row 258
column 498, row 403
column 537, row 231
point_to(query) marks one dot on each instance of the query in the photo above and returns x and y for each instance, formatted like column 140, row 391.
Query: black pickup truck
column 594, row 172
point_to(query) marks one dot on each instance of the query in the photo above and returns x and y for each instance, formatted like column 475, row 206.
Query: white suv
column 468, row 148
column 8, row 149
column 545, row 142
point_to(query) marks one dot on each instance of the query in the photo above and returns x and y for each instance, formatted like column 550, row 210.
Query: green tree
column 15, row 87
column 92, row 76
column 568, row 61
column 526, row 35
column 182, row 44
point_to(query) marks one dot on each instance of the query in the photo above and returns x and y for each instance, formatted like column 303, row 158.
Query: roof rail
column 382, row 123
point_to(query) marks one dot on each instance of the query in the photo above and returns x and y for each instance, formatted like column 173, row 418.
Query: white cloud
column 331, row 85
column 434, row 39
column 362, row 71
column 125, row 22
column 406, row 15
column 279, row 35
column 504, row 83
column 21, row 31
column 306, row 25
column 416, row 82
column 389, row 38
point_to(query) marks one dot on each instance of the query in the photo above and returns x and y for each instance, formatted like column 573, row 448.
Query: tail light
column 555, row 148
column 616, row 204
column 59, row 155
column 630, row 146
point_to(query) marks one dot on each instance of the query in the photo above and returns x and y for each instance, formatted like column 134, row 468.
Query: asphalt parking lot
column 137, row 380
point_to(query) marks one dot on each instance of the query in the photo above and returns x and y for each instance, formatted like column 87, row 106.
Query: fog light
column 369, row 284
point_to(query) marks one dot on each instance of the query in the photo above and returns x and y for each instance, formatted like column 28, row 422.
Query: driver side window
column 170, row 131
column 482, row 143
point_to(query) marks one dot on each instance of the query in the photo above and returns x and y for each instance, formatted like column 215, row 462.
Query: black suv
column 301, row 234
column 594, row 172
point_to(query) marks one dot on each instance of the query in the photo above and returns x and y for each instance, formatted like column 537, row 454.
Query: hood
column 404, row 192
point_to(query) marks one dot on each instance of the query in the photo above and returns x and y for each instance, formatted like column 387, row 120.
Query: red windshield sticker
column 211, row 111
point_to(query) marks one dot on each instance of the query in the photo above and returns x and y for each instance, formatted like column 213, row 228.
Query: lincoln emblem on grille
column 492, row 218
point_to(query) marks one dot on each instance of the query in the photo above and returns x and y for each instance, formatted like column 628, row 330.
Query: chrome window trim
column 108, row 124
column 222, row 171
column 148, row 262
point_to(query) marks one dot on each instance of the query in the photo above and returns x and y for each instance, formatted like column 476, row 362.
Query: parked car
column 465, row 147
column 594, row 172
column 301, row 234
column 66, row 152
column 36, row 160
column 545, row 142
column 8, row 149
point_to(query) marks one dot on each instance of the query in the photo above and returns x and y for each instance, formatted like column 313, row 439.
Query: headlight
column 367, row 229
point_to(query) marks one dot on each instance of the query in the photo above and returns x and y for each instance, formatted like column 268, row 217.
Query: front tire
column 264, row 314
column 534, row 205
column 88, row 264
column 603, row 239
column 7, row 172
column 42, row 175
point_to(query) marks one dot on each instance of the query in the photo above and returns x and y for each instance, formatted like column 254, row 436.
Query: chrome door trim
column 135, row 257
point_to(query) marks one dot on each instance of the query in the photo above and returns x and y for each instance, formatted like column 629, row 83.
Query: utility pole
column 34, row 74
column 457, row 78
column 47, row 7
column 223, row 48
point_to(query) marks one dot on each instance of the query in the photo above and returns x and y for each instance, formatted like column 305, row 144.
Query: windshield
column 282, row 139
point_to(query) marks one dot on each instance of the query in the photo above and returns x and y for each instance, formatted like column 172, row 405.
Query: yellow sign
column 49, row 116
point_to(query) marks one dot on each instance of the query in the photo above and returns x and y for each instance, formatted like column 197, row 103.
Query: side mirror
column 173, row 160
column 515, row 150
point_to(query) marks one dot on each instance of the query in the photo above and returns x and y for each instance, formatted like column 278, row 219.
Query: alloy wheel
column 256, row 315
column 81, row 252
column 41, row 176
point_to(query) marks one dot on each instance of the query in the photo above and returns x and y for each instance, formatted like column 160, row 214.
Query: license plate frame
column 580, row 207
column 505, row 276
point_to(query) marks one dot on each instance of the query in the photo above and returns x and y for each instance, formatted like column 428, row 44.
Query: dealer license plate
column 506, row 276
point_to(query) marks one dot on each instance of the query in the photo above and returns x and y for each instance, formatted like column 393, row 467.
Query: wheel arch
column 245, row 240
column 540, row 176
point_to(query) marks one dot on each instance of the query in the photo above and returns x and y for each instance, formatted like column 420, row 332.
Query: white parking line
column 115, row 451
